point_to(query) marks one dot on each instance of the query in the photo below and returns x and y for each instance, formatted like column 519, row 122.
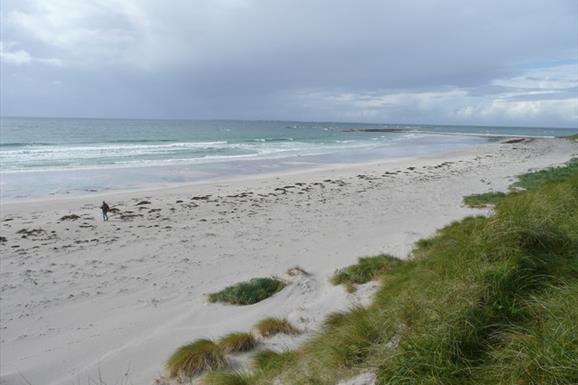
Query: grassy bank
column 488, row 300
column 367, row 269
column 484, row 199
column 526, row 182
column 552, row 174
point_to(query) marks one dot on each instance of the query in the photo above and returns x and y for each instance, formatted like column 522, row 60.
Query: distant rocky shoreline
column 375, row 130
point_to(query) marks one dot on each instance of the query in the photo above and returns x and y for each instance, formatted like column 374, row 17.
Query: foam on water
column 40, row 156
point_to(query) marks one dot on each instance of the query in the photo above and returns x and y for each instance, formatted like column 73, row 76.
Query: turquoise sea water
column 41, row 156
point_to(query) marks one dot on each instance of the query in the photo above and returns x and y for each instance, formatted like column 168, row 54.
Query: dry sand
column 85, row 299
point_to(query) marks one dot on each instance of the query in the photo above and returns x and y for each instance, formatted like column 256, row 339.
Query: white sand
column 118, row 297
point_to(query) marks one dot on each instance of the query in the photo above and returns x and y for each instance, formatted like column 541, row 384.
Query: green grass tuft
column 237, row 342
column 347, row 339
column 552, row 174
column 194, row 358
column 225, row 378
column 272, row 326
column 483, row 200
column 544, row 351
column 572, row 137
column 247, row 293
column 335, row 319
column 527, row 181
column 367, row 269
column 268, row 360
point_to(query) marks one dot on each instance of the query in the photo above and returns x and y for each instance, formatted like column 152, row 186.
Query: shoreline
column 311, row 172
column 193, row 173
column 73, row 306
column 176, row 187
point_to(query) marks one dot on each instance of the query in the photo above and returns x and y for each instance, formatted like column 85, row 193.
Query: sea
column 42, row 157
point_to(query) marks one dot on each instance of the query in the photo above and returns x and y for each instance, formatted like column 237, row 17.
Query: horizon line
column 289, row 121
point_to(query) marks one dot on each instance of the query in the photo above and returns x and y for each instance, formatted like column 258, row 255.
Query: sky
column 490, row 62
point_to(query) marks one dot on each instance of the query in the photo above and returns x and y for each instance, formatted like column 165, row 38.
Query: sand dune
column 83, row 298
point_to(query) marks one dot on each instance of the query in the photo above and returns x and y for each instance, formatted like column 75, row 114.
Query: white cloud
column 135, row 33
column 551, row 78
column 156, row 34
column 455, row 105
column 523, row 110
column 95, row 32
column 15, row 57
column 22, row 57
column 400, row 60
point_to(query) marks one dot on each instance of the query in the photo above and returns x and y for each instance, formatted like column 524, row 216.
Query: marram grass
column 483, row 200
column 249, row 292
column 269, row 327
column 225, row 378
column 349, row 342
column 367, row 269
column 488, row 300
column 196, row 357
column 527, row 181
column 551, row 174
column 269, row 360
column 335, row 319
column 543, row 352
column 237, row 342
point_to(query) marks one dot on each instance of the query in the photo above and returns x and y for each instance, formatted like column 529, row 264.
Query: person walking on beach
column 105, row 209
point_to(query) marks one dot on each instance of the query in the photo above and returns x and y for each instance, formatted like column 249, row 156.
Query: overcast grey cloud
column 431, row 61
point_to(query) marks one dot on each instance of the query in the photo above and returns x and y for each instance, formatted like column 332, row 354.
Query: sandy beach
column 84, row 300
